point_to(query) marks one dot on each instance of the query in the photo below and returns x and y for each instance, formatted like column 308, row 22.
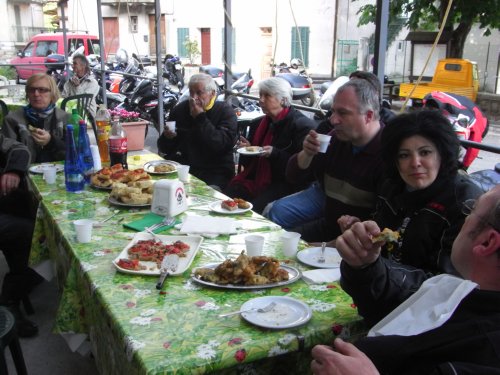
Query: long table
column 135, row 329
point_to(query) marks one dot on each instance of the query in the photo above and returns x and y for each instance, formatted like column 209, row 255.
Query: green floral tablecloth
column 136, row 329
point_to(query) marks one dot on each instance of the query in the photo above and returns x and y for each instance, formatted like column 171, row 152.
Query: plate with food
column 38, row 169
column 258, row 273
column 106, row 177
column 143, row 255
column 161, row 167
column 311, row 255
column 285, row 312
column 231, row 206
column 132, row 194
column 250, row 150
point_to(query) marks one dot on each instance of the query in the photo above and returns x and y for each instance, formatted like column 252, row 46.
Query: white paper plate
column 311, row 255
column 287, row 313
column 150, row 166
column 152, row 269
column 116, row 202
column 244, row 151
column 293, row 275
column 38, row 169
column 216, row 207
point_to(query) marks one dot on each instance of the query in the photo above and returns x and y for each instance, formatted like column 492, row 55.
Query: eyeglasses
column 468, row 209
column 41, row 90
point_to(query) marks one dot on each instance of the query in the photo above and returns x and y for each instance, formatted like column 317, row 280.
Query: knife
column 168, row 264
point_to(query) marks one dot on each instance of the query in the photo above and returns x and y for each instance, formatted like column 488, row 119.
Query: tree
column 192, row 49
column 428, row 15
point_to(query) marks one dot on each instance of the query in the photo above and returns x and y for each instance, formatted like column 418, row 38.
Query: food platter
column 152, row 268
column 293, row 275
column 311, row 255
column 107, row 188
column 38, row 169
column 150, row 166
column 116, row 202
column 287, row 313
column 216, row 207
column 246, row 151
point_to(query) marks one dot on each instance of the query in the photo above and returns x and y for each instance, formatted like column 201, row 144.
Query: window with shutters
column 133, row 24
column 300, row 38
column 182, row 36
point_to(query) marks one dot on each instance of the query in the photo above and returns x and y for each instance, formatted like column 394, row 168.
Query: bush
column 8, row 72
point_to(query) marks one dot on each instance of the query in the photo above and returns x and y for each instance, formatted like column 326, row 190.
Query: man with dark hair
column 459, row 332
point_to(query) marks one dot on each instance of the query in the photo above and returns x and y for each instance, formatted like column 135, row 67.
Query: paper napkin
column 208, row 224
column 319, row 276
column 148, row 220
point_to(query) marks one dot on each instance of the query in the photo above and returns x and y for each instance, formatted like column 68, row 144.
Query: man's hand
column 310, row 147
column 8, row 182
column 345, row 359
column 41, row 137
column 195, row 107
column 346, row 221
column 355, row 244
column 243, row 142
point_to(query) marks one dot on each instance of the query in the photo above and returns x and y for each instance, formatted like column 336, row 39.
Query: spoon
column 259, row 310
column 115, row 212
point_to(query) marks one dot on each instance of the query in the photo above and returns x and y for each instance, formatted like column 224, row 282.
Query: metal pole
column 382, row 20
column 103, row 55
column 159, row 69
column 62, row 3
column 228, row 46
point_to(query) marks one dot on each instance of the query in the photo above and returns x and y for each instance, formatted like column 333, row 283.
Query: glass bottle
column 84, row 152
column 72, row 164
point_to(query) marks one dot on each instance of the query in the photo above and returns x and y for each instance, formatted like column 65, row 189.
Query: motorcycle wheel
column 308, row 100
column 180, row 79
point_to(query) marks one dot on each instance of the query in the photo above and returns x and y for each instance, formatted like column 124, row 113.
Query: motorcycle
column 174, row 71
column 297, row 77
column 56, row 68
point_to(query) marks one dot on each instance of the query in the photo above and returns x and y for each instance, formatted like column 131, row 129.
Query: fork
column 264, row 309
column 166, row 221
column 321, row 258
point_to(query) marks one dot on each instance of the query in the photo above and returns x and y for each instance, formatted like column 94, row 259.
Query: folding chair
column 82, row 105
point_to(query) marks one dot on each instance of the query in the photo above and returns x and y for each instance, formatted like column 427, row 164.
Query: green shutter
column 182, row 36
column 304, row 39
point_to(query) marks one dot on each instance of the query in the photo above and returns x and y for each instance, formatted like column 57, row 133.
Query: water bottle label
column 74, row 177
column 118, row 145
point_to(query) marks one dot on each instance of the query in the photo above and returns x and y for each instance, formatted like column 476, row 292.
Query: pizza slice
column 386, row 235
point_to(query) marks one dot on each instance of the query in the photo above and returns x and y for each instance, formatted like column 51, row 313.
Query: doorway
column 111, row 36
column 152, row 35
column 205, row 47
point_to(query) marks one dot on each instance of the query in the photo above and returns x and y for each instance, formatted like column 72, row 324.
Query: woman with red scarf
column 279, row 134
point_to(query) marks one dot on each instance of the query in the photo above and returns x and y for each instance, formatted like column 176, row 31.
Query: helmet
column 295, row 63
column 121, row 56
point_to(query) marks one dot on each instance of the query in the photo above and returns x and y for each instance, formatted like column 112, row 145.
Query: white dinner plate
column 287, row 313
column 150, row 166
column 216, row 207
column 116, row 202
column 38, row 169
column 151, row 267
column 311, row 255
column 244, row 151
column 293, row 275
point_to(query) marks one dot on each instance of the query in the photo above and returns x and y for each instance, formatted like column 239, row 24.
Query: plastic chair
column 8, row 337
column 5, row 110
column 82, row 105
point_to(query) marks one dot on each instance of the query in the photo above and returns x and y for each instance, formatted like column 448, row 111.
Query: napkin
column 428, row 308
column 319, row 276
column 208, row 224
column 148, row 220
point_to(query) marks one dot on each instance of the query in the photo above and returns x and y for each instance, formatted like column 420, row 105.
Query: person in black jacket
column 464, row 340
column 206, row 132
column 278, row 136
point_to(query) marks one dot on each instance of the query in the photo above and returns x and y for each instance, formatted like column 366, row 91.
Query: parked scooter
column 174, row 71
column 297, row 77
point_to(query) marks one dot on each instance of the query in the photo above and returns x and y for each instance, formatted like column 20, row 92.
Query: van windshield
column 94, row 46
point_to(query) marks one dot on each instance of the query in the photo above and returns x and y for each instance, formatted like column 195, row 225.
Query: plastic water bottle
column 72, row 164
column 118, row 144
column 75, row 121
column 84, row 152
column 103, row 121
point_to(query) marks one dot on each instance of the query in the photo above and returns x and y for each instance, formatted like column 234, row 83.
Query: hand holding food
column 386, row 235
column 40, row 136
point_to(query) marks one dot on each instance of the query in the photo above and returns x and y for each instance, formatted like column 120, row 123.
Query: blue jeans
column 299, row 208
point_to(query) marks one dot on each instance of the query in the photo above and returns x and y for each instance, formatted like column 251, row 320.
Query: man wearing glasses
column 39, row 125
column 454, row 324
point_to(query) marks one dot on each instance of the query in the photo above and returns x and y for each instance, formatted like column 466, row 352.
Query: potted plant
column 134, row 126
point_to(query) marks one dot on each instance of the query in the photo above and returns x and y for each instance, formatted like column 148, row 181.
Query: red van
column 42, row 45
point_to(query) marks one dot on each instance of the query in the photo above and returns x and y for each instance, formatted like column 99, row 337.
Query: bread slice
column 229, row 205
column 386, row 235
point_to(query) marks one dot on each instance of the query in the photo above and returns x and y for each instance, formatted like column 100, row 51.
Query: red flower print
column 240, row 355
column 285, row 290
column 163, row 293
column 166, row 344
column 331, row 286
column 157, row 319
column 235, row 341
column 130, row 304
column 200, row 303
column 337, row 329
column 353, row 305
column 126, row 286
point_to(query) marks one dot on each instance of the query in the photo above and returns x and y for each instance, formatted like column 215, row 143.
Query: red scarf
column 259, row 167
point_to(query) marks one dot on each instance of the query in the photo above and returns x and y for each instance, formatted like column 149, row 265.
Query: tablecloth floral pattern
column 136, row 329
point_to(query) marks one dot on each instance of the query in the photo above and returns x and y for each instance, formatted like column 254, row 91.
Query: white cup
column 254, row 245
column 183, row 172
column 83, row 228
column 49, row 174
column 170, row 125
column 290, row 242
column 324, row 141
